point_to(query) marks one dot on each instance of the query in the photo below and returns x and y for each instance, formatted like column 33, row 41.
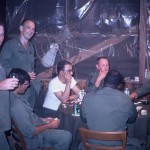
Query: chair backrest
column 87, row 134
column 17, row 136
column 18, row 139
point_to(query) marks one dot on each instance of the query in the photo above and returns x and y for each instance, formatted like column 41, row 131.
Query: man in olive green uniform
column 5, row 85
column 19, row 53
column 95, row 79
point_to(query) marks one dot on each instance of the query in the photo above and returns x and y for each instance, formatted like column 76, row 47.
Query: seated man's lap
column 50, row 138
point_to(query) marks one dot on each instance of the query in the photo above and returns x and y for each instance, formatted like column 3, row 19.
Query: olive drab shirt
column 5, row 123
column 91, row 82
column 14, row 55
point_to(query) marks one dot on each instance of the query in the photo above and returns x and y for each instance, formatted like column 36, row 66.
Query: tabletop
column 140, row 128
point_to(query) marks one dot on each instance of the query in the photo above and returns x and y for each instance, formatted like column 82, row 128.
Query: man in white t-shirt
column 59, row 87
column 59, row 92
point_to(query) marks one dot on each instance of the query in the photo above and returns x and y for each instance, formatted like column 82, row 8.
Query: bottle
column 76, row 109
column 146, row 74
column 126, row 91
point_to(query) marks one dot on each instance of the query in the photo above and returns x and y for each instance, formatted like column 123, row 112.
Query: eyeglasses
column 69, row 70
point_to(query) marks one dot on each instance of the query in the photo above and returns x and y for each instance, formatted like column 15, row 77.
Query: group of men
column 103, row 100
column 17, row 62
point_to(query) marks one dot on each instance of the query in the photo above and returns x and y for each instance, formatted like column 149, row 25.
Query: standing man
column 108, row 110
column 19, row 53
column 96, row 79
column 38, row 132
column 5, row 85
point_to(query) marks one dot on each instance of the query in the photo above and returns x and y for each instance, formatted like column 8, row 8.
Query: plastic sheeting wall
column 83, row 30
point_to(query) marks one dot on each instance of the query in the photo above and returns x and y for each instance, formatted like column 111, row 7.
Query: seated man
column 58, row 93
column 60, row 86
column 38, row 132
column 96, row 79
column 108, row 109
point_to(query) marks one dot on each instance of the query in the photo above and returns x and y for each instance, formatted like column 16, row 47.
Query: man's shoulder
column 54, row 80
column 16, row 100
column 93, row 73
column 12, row 40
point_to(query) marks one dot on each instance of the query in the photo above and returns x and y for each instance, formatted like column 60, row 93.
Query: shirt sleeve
column 73, row 82
column 23, row 120
column 54, row 86
column 143, row 90
column 82, row 111
column 133, row 113
column 6, row 55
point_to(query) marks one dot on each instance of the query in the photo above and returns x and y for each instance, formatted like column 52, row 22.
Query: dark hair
column 99, row 58
column 25, row 20
column 113, row 79
column 61, row 65
column 20, row 74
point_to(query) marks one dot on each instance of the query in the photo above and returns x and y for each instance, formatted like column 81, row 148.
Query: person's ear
column 21, row 28
column 96, row 66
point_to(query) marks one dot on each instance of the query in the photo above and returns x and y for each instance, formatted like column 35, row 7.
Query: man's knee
column 66, row 137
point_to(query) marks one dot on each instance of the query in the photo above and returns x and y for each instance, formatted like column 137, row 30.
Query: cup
column 136, row 78
column 143, row 112
column 76, row 109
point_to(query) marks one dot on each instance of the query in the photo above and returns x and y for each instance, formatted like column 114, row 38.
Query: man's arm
column 75, row 89
column 82, row 114
column 6, row 56
column 70, row 84
column 141, row 91
column 100, row 77
column 8, row 84
column 52, row 124
column 64, row 96
column 133, row 114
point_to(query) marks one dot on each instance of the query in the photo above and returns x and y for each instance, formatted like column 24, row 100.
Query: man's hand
column 47, row 119
column 133, row 95
column 8, row 84
column 100, row 77
column 102, row 74
column 68, row 77
column 54, row 123
column 32, row 75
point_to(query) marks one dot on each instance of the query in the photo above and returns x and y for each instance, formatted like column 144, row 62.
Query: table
column 140, row 128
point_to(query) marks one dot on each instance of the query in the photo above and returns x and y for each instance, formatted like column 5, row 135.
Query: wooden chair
column 18, row 139
column 110, row 136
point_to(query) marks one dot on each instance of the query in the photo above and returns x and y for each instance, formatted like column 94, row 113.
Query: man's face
column 1, row 34
column 68, row 69
column 27, row 30
column 23, row 87
column 103, row 65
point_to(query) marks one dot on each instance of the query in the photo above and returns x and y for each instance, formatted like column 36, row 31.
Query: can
column 76, row 109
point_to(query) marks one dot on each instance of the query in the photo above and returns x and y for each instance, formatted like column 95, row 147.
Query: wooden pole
column 142, row 40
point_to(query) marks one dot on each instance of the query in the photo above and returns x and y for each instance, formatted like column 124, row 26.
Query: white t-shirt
column 55, row 85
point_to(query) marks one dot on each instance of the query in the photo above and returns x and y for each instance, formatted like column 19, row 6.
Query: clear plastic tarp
column 83, row 31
